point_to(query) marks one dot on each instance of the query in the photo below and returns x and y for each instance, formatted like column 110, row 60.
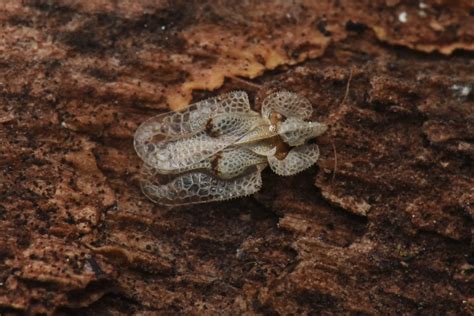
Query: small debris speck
column 403, row 17
column 461, row 90
column 423, row 5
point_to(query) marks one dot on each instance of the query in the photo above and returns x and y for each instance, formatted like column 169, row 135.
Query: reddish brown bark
column 383, row 224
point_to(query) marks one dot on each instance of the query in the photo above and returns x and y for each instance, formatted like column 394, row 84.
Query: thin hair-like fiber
column 348, row 85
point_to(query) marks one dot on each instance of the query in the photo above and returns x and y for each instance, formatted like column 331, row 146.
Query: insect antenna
column 348, row 85
column 346, row 93
column 341, row 109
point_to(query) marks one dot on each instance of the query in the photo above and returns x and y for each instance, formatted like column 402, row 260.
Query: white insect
column 217, row 148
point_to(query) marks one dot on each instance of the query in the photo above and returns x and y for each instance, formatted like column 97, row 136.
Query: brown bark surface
column 382, row 225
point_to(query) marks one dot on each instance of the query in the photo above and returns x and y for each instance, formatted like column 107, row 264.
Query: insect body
column 217, row 148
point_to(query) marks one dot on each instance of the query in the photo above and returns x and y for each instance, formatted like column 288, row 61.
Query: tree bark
column 382, row 225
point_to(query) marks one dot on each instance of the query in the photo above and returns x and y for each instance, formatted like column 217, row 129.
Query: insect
column 216, row 149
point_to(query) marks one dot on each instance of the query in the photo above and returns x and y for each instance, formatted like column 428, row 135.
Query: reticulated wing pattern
column 176, row 125
column 233, row 124
column 216, row 149
column 228, row 163
column 296, row 132
column 201, row 187
column 174, row 156
column 259, row 133
column 287, row 104
column 233, row 102
column 234, row 161
column 205, row 164
column 297, row 160
column 262, row 148
column 222, row 132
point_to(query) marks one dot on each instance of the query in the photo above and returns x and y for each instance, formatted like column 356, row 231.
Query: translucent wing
column 200, row 187
column 287, row 104
column 175, row 125
column 171, row 157
column 297, row 160
column 260, row 133
column 226, row 164
column 222, row 131
column 234, row 161
column 262, row 148
column 233, row 124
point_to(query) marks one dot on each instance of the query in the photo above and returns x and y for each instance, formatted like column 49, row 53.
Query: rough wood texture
column 389, row 233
